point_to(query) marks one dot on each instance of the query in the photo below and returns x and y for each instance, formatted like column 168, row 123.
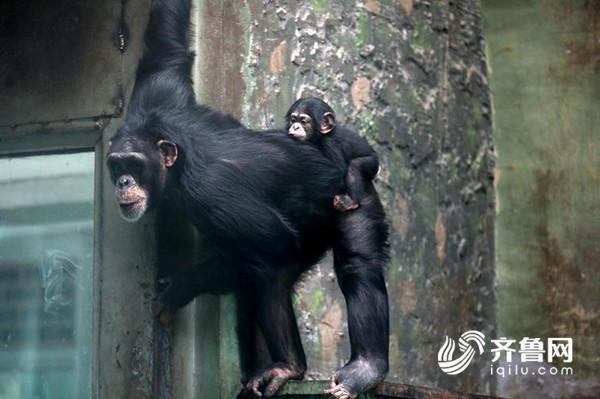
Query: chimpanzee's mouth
column 132, row 210
column 129, row 204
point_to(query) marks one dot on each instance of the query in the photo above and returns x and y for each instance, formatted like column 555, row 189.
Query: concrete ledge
column 314, row 389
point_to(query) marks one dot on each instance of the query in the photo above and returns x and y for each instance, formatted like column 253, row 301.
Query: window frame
column 124, row 334
column 63, row 138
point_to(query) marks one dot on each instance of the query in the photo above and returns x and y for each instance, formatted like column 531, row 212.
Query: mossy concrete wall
column 411, row 77
column 545, row 62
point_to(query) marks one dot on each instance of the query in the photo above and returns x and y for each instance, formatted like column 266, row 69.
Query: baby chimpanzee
column 360, row 244
column 312, row 119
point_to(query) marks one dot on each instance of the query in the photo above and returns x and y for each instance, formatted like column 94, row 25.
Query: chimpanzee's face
column 139, row 171
column 301, row 126
column 308, row 118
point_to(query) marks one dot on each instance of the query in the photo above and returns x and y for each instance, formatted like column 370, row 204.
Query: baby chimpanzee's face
column 300, row 125
column 309, row 116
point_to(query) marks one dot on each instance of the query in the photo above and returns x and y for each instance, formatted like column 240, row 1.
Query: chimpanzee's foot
column 356, row 377
column 267, row 382
column 343, row 203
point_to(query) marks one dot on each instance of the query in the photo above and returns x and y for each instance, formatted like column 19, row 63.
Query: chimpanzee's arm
column 363, row 165
column 360, row 172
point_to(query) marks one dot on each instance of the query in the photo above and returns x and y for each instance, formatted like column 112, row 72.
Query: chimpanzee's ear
column 328, row 123
column 168, row 150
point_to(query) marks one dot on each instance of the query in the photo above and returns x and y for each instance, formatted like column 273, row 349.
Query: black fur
column 350, row 152
column 263, row 202
column 360, row 248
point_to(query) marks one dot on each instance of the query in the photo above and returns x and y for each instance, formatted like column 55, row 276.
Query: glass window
column 46, row 258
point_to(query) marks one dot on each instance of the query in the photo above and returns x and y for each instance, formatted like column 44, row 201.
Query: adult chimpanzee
column 264, row 204
column 312, row 119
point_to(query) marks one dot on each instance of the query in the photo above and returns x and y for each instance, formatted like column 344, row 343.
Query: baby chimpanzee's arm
column 363, row 165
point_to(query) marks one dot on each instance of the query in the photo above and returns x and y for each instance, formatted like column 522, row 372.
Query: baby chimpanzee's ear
column 328, row 123
column 168, row 151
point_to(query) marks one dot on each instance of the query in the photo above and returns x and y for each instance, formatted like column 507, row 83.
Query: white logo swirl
column 459, row 364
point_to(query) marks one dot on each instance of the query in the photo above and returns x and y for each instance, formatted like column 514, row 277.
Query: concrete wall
column 545, row 63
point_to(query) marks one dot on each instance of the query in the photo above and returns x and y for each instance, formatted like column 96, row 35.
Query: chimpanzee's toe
column 356, row 377
column 339, row 391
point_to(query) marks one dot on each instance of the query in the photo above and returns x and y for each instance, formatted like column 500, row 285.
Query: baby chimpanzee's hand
column 343, row 203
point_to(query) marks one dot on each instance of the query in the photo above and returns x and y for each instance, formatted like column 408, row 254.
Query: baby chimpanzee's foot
column 356, row 377
column 343, row 203
column 267, row 382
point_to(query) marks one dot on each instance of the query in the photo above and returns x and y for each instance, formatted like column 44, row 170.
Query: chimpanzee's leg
column 360, row 254
column 254, row 354
column 278, row 324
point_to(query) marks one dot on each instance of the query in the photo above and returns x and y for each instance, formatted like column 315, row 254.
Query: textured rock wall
column 411, row 77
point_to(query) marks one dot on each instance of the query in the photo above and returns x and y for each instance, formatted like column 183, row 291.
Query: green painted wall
column 544, row 57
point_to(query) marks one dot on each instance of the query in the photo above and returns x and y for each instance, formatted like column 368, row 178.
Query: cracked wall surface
column 411, row 77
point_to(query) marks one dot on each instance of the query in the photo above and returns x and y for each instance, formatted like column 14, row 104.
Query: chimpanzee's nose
column 125, row 181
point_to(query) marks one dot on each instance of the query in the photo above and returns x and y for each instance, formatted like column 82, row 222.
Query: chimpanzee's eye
column 135, row 166
column 116, row 170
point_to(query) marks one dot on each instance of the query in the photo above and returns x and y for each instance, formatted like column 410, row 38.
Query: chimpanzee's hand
column 160, row 308
column 162, row 311
column 343, row 203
